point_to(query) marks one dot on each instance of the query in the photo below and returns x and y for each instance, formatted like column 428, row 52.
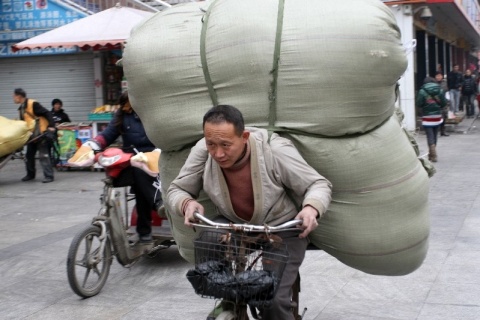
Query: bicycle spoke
column 86, row 277
column 81, row 263
column 95, row 269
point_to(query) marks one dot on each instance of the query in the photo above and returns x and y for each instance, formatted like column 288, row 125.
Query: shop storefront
column 436, row 34
column 84, row 80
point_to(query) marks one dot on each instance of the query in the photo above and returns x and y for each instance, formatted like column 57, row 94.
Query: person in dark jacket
column 439, row 79
column 43, row 128
column 128, row 125
column 58, row 114
column 430, row 101
column 469, row 92
column 455, row 81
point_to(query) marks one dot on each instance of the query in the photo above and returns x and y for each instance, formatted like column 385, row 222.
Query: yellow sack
column 14, row 135
column 147, row 161
column 84, row 157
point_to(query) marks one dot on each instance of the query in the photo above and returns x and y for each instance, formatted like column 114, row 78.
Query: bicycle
column 241, row 266
column 91, row 252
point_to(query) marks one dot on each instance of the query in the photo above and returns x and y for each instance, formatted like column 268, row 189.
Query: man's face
column 223, row 144
column 438, row 77
column 456, row 68
column 57, row 106
column 468, row 72
column 17, row 99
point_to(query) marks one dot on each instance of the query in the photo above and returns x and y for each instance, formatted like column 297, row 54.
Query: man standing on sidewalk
column 40, row 120
column 455, row 81
column 443, row 85
column 469, row 93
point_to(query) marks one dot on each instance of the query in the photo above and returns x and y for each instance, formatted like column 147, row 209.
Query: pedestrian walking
column 430, row 102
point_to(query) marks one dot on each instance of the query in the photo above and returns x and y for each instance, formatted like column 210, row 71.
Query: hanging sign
column 21, row 20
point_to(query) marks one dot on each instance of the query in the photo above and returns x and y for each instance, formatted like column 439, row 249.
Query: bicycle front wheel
column 88, row 265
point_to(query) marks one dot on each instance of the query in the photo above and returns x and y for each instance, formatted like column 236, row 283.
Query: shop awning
column 452, row 11
column 105, row 29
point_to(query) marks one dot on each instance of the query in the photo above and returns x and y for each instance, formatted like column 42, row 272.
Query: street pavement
column 38, row 222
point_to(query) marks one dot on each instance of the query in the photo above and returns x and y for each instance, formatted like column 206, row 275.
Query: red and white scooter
column 92, row 249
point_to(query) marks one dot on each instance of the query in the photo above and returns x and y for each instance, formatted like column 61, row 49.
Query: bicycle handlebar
column 289, row 225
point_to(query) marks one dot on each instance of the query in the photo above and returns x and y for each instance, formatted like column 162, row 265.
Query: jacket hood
column 432, row 88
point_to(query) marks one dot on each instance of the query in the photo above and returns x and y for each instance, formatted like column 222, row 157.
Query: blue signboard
column 21, row 20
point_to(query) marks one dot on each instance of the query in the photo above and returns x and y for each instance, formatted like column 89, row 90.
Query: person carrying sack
column 41, row 123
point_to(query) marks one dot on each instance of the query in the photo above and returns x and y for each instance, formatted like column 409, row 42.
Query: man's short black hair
column 429, row 80
column 56, row 100
column 20, row 92
column 225, row 113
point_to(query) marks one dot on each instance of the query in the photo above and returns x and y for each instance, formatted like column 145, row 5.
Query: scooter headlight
column 108, row 161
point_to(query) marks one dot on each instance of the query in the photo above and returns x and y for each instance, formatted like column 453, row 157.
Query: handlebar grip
column 202, row 218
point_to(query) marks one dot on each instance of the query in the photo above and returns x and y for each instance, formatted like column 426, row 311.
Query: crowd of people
column 434, row 107
column 463, row 90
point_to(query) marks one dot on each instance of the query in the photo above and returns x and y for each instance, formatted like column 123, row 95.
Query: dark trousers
column 445, row 117
column 42, row 147
column 432, row 134
column 281, row 308
column 469, row 99
column 146, row 195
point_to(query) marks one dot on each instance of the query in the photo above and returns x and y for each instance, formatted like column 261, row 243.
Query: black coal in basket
column 243, row 268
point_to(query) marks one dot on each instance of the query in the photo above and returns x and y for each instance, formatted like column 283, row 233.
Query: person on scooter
column 128, row 125
column 254, row 178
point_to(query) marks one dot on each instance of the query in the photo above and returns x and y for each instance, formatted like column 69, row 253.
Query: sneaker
column 145, row 238
column 27, row 178
column 47, row 180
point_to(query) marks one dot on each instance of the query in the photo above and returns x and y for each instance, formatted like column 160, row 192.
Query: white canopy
column 105, row 29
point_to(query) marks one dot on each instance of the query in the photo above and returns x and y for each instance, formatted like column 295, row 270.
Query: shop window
column 113, row 75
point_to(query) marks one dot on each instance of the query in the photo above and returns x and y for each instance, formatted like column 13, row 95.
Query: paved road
column 38, row 222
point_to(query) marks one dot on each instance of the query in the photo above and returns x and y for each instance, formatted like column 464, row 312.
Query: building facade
column 436, row 34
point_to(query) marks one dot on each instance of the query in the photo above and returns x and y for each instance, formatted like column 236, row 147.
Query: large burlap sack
column 172, row 162
column 378, row 221
column 13, row 135
column 314, row 66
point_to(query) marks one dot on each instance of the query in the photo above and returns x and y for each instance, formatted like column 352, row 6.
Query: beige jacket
column 276, row 167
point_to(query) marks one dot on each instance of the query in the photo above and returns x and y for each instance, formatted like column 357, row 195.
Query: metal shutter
column 67, row 77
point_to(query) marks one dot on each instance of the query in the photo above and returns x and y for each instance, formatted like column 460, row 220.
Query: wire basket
column 238, row 267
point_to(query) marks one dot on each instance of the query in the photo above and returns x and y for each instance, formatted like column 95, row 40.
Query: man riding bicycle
column 256, row 178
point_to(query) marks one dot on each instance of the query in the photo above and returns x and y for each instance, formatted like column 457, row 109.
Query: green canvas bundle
column 322, row 73
column 318, row 67
column 378, row 220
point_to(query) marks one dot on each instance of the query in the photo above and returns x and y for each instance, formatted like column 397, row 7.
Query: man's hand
column 309, row 216
column 189, row 211
column 50, row 135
